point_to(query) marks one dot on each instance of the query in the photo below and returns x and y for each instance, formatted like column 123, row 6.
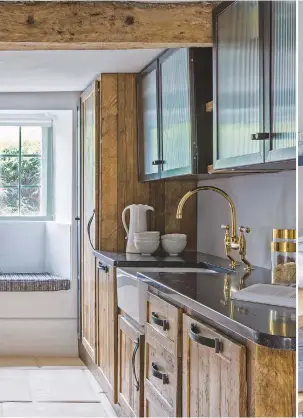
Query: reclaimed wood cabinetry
column 130, row 369
column 162, row 358
column 214, row 373
column 175, row 129
column 89, row 208
column 254, row 83
column 107, row 328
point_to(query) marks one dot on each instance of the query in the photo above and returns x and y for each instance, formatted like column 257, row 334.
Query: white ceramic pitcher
column 137, row 223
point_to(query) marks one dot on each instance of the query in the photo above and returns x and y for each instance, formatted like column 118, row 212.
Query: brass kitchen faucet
column 231, row 239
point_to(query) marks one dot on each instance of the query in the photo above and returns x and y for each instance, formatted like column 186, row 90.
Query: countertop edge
column 276, row 342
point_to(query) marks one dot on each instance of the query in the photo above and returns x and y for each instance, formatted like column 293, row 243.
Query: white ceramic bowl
column 174, row 247
column 146, row 246
column 150, row 235
column 174, row 237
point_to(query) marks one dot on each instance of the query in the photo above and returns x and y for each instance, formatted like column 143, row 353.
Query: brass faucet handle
column 244, row 229
column 227, row 227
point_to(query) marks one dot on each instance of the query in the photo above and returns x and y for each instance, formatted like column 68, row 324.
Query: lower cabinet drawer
column 162, row 375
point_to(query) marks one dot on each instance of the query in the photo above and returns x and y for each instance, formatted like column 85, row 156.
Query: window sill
column 26, row 218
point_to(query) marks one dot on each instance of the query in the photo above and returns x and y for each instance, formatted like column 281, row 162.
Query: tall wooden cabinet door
column 89, row 212
column 214, row 373
column 131, row 369
column 107, row 328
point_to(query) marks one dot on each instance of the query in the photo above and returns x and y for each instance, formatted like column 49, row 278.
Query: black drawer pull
column 136, row 348
column 157, row 162
column 101, row 266
column 260, row 136
column 209, row 342
column 161, row 322
column 159, row 375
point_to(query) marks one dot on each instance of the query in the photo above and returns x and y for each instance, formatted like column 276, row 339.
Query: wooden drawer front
column 155, row 405
column 161, row 370
column 165, row 319
column 214, row 384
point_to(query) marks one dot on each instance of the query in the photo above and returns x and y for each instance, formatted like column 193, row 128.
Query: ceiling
column 34, row 71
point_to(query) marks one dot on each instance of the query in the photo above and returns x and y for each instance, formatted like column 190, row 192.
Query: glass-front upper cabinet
column 176, row 113
column 148, row 120
column 175, row 128
column 282, row 144
column 238, row 85
column 254, row 83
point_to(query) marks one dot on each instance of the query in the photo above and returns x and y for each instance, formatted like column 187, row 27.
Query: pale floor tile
column 107, row 405
column 14, row 385
column 54, row 410
column 49, row 385
column 92, row 381
column 1, row 414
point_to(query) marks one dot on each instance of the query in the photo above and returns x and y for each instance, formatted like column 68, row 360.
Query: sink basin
column 175, row 270
column 168, row 270
column 132, row 293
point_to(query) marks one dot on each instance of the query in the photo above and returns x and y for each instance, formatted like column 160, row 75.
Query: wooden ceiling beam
column 104, row 25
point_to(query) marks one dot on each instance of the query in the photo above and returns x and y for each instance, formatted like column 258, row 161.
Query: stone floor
column 50, row 387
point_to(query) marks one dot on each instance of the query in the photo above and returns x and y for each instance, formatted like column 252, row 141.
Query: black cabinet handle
column 103, row 267
column 159, row 375
column 157, row 162
column 77, row 218
column 136, row 348
column 161, row 322
column 209, row 342
column 89, row 224
column 260, row 136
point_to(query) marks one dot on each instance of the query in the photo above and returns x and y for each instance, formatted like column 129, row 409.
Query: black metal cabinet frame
column 265, row 135
column 200, row 92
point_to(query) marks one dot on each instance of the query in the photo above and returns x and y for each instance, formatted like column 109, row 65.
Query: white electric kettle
column 137, row 223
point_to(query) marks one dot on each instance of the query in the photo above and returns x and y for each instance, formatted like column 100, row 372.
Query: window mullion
column 19, row 171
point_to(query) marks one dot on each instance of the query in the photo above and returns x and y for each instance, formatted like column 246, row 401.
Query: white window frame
column 47, row 174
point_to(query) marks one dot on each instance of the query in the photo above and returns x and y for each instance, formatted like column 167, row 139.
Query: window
column 25, row 171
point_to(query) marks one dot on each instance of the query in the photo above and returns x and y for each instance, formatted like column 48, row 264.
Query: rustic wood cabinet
column 89, row 207
column 214, row 373
column 130, row 369
column 254, row 84
column 107, row 320
column 175, row 129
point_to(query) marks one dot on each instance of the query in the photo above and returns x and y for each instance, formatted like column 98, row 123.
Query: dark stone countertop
column 210, row 295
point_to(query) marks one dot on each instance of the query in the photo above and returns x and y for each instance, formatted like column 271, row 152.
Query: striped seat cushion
column 34, row 282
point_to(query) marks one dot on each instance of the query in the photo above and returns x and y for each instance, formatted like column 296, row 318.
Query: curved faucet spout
column 234, row 236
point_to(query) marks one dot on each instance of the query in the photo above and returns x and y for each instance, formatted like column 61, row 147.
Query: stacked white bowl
column 147, row 242
column 174, row 244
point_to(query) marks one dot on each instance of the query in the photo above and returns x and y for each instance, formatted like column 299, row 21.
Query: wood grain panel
column 214, row 385
column 108, row 330
column 109, row 163
column 273, row 389
column 103, row 25
column 119, row 186
column 89, row 202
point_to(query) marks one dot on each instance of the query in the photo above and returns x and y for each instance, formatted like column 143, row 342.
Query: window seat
column 33, row 282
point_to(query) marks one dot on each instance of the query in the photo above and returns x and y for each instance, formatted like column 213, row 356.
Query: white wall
column 43, row 323
column 263, row 202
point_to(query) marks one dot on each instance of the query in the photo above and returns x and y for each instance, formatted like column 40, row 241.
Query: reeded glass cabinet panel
column 238, row 99
column 150, row 123
column 283, row 81
column 176, row 113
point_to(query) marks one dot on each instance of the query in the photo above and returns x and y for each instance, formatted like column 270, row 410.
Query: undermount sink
column 174, row 270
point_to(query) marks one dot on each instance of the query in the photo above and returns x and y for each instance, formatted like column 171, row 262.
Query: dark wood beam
column 104, row 25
